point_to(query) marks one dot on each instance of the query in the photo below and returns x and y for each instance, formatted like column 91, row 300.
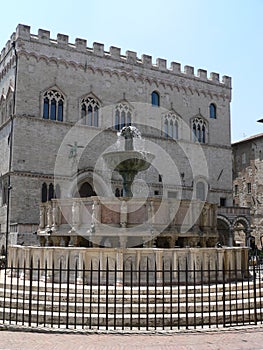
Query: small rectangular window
column 222, row 202
column 244, row 158
column 236, row 190
column 160, row 178
column 156, row 193
column 248, row 187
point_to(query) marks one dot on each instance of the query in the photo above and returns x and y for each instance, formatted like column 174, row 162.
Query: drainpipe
column 9, row 187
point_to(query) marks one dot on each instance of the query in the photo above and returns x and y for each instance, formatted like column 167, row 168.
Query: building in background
column 248, row 180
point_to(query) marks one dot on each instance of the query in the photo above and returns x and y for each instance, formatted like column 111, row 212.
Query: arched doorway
column 233, row 232
column 241, row 227
column 85, row 190
column 223, row 228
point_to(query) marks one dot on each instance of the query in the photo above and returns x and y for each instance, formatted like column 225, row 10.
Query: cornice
column 180, row 85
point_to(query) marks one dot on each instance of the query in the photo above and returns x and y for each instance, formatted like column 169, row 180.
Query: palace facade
column 61, row 105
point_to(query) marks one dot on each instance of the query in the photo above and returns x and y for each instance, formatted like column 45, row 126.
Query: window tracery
column 123, row 115
column 90, row 111
column 48, row 192
column 200, row 191
column 53, row 106
column 199, row 130
column 171, row 125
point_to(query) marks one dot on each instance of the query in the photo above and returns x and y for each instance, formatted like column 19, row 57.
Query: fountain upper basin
column 128, row 160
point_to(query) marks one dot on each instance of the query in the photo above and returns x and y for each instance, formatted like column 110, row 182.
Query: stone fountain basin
column 128, row 160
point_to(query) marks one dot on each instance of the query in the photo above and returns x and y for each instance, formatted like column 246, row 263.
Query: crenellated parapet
column 80, row 46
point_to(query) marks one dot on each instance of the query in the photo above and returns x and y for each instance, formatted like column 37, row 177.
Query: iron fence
column 114, row 298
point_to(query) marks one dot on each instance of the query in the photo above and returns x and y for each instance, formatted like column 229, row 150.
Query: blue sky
column 224, row 36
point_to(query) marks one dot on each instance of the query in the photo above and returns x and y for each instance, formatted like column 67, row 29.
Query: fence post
column 30, row 291
column 224, row 294
column 131, row 294
column 255, row 292
column 90, row 294
column 186, row 293
column 115, row 294
column 107, row 293
column 68, row 281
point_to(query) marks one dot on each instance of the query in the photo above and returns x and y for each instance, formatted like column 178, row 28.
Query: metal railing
column 147, row 298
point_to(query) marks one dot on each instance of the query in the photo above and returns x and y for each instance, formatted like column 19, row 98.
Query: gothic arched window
column 155, row 99
column 53, row 105
column 47, row 193
column 50, row 191
column 199, row 130
column 123, row 115
column 2, row 109
column 171, row 125
column 200, row 191
column 90, row 111
column 212, row 111
column 44, row 193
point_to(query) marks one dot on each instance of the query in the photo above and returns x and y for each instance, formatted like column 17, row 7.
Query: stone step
column 101, row 295
column 133, row 307
column 120, row 290
column 126, row 320
column 126, row 306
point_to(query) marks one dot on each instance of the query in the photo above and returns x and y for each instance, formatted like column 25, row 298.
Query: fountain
column 128, row 162
column 128, row 221
column 149, row 232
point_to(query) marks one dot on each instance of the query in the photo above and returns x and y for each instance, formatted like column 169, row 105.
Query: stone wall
column 233, row 260
column 248, row 180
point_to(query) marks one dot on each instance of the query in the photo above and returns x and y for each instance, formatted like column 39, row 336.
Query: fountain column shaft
column 127, row 180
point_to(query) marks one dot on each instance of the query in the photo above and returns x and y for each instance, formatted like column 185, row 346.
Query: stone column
column 75, row 217
column 123, row 214
column 54, row 216
column 96, row 214
column 42, row 216
column 75, row 224
column 119, row 266
column 47, row 262
column 80, row 267
column 49, row 215
column 159, row 266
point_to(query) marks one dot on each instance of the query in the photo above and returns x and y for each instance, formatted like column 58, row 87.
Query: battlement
column 62, row 41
